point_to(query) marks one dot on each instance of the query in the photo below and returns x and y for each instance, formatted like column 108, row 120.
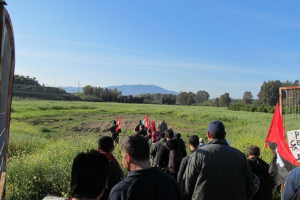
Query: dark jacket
column 142, row 132
column 217, row 171
column 260, row 168
column 182, row 147
column 154, row 151
column 137, row 128
column 183, row 165
column 163, row 154
column 112, row 129
column 146, row 184
column 115, row 175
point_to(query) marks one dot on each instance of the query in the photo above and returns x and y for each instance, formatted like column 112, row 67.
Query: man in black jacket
column 164, row 151
column 137, row 127
column 143, row 181
column 260, row 168
column 115, row 173
column 142, row 131
column 182, row 146
column 193, row 144
column 114, row 132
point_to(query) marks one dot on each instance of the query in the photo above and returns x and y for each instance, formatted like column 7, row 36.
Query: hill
column 141, row 89
column 127, row 89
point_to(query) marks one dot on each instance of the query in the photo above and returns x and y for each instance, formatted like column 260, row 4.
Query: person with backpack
column 169, row 156
column 182, row 146
column 260, row 169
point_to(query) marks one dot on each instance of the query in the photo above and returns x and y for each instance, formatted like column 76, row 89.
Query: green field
column 45, row 136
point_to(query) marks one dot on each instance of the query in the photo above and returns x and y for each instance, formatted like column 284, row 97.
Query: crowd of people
column 162, row 169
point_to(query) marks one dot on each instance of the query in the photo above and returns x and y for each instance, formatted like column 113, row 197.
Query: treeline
column 267, row 97
column 109, row 95
column 25, row 80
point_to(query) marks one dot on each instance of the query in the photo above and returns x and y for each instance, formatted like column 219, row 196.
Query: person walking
column 217, row 171
column 143, row 181
column 193, row 145
column 260, row 168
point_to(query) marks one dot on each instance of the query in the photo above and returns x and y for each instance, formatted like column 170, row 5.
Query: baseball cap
column 216, row 126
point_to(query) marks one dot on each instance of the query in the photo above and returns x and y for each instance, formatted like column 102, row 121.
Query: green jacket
column 154, row 150
column 217, row 171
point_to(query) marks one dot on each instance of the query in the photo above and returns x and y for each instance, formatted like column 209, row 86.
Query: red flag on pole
column 118, row 124
column 147, row 125
column 153, row 132
column 283, row 160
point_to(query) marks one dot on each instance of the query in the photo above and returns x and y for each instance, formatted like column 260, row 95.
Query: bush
column 45, row 172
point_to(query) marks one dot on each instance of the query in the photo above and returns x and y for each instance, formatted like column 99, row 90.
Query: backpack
column 175, row 158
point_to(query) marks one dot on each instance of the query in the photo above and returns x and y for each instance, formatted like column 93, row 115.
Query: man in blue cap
column 217, row 171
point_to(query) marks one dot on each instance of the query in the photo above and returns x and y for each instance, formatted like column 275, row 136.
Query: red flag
column 118, row 124
column 153, row 132
column 283, row 160
column 146, row 122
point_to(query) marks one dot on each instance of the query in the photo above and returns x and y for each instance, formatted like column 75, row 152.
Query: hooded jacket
column 163, row 154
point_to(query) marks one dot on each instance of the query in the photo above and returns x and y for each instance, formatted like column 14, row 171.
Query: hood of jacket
column 258, row 164
column 172, row 144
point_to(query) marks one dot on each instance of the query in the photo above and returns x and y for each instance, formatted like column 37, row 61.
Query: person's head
column 89, row 175
column 106, row 144
column 253, row 151
column 163, row 120
column 135, row 149
column 178, row 135
column 141, row 127
column 169, row 134
column 140, row 121
column 114, row 122
column 216, row 130
column 193, row 142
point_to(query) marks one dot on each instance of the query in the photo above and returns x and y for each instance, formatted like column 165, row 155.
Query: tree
column 182, row 98
column 88, row 90
column 190, row 98
column 225, row 100
column 216, row 102
column 269, row 93
column 247, row 98
column 201, row 96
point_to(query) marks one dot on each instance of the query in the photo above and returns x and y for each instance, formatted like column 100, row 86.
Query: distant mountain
column 141, row 89
column 70, row 89
column 127, row 89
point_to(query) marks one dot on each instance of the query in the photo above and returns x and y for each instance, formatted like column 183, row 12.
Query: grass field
column 45, row 136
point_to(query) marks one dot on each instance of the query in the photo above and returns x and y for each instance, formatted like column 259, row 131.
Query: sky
column 216, row 46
